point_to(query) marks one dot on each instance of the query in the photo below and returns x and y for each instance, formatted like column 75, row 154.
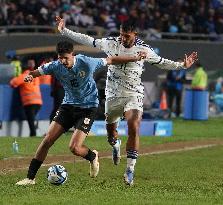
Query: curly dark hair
column 64, row 47
column 129, row 26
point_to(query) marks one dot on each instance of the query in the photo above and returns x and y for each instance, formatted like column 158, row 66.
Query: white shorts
column 116, row 106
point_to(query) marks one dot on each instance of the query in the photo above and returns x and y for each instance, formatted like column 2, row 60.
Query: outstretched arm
column 31, row 75
column 77, row 37
column 125, row 59
column 163, row 63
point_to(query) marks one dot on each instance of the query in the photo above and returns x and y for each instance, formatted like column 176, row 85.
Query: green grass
column 192, row 177
column 182, row 131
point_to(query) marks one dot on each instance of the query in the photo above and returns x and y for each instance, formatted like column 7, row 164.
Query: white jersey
column 124, row 80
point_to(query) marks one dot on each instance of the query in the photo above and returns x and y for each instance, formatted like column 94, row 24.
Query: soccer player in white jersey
column 79, row 106
column 124, row 89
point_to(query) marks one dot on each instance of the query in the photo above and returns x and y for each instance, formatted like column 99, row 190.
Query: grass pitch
column 187, row 177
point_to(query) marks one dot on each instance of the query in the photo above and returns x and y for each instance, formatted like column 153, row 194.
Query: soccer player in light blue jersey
column 79, row 106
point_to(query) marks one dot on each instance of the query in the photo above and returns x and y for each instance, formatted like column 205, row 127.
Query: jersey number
column 74, row 83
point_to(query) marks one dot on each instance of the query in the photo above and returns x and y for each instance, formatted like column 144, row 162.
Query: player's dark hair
column 64, row 47
column 129, row 26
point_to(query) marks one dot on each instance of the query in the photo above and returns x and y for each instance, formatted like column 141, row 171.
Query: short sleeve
column 104, row 44
column 47, row 69
column 95, row 63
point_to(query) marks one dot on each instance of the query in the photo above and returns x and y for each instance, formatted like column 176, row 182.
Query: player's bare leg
column 112, row 133
column 114, row 142
column 133, row 118
column 55, row 131
column 76, row 143
column 78, row 148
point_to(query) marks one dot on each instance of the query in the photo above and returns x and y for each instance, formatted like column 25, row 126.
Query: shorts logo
column 86, row 121
column 85, row 127
column 57, row 113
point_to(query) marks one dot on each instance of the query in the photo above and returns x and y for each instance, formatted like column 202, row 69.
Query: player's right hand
column 28, row 78
column 60, row 23
column 190, row 60
column 142, row 55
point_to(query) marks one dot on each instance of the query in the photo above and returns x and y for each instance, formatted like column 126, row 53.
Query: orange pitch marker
column 163, row 101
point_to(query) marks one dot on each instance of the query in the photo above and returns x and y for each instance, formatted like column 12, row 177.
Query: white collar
column 74, row 61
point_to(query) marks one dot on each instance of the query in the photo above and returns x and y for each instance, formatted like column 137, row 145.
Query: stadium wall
column 209, row 52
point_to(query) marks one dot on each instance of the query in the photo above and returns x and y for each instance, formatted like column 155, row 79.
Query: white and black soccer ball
column 57, row 174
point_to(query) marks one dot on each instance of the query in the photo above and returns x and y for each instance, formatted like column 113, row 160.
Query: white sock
column 117, row 144
column 131, row 163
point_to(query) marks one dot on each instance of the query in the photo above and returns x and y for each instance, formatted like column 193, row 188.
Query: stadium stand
column 174, row 16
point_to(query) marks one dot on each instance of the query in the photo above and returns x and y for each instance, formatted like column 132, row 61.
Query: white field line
column 180, row 149
column 142, row 154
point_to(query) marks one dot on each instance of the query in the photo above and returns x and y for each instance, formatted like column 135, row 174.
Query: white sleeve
column 101, row 44
column 162, row 63
column 79, row 37
column 40, row 69
column 104, row 61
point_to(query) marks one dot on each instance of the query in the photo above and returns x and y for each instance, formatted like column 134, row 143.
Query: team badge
column 86, row 121
column 82, row 74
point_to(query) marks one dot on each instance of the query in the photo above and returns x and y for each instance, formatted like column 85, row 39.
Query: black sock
column 90, row 156
column 33, row 168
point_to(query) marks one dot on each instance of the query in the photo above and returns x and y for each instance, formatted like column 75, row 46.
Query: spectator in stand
column 108, row 22
column 86, row 19
column 199, row 81
column 3, row 22
column 30, row 95
column 188, row 16
column 143, row 21
column 122, row 15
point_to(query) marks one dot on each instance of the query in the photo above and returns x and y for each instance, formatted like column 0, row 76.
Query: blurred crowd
column 176, row 16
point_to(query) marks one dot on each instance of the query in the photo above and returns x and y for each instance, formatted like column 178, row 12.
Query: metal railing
column 27, row 29
column 99, row 32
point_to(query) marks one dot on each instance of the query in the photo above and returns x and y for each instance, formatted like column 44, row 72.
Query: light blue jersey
column 78, row 83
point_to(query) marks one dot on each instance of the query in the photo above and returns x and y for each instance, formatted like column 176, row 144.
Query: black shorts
column 69, row 116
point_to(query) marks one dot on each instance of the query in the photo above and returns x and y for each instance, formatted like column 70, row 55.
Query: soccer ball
column 57, row 174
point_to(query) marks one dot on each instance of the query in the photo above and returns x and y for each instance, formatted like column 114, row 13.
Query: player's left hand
column 189, row 60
